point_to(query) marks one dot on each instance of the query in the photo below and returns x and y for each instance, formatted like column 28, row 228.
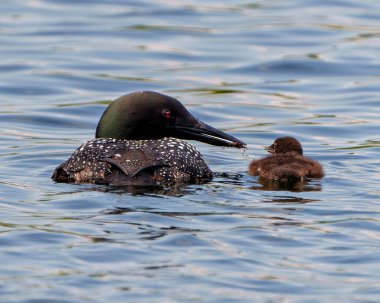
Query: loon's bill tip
column 239, row 144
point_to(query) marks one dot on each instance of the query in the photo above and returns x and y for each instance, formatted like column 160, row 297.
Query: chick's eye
column 167, row 114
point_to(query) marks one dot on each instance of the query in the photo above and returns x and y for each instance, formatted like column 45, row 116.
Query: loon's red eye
column 167, row 114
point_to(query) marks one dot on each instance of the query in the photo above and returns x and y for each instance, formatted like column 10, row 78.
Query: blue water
column 256, row 69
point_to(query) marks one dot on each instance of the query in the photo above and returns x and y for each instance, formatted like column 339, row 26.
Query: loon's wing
column 130, row 168
column 133, row 161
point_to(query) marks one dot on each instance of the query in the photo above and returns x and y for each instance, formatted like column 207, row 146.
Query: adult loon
column 286, row 164
column 138, row 142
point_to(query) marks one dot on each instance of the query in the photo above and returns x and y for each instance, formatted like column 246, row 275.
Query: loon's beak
column 205, row 133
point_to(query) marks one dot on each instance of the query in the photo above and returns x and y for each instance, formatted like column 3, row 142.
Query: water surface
column 257, row 70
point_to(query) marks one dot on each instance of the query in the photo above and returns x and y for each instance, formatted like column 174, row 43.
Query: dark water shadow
column 273, row 185
column 134, row 190
column 289, row 199
column 174, row 214
column 242, row 179
column 148, row 190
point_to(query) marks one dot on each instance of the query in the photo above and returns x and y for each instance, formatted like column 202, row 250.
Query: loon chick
column 286, row 164
column 138, row 143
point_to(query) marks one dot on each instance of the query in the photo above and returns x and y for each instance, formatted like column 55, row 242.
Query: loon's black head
column 285, row 145
column 150, row 115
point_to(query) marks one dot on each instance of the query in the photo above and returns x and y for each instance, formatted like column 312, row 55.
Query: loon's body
column 286, row 164
column 135, row 162
column 138, row 142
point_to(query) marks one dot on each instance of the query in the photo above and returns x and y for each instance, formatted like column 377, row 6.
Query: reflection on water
column 257, row 70
column 294, row 186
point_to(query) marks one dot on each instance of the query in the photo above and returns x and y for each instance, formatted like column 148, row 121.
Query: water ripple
column 257, row 70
